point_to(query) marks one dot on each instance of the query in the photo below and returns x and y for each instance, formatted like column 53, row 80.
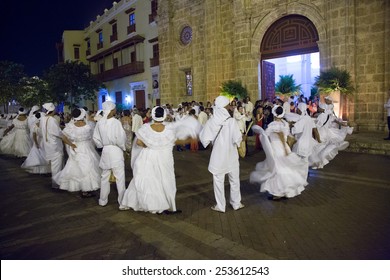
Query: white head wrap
column 108, row 106
column 221, row 101
column 22, row 111
column 154, row 115
column 274, row 112
column 83, row 113
column 33, row 110
column 302, row 107
column 98, row 115
column 329, row 98
column 49, row 107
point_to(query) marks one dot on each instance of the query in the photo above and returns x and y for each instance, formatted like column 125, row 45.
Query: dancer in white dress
column 16, row 140
column 81, row 171
column 282, row 173
column 36, row 162
column 153, row 187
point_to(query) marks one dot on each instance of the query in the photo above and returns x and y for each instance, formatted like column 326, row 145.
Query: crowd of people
column 86, row 151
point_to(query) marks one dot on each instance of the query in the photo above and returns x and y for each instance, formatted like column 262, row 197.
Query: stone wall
column 353, row 35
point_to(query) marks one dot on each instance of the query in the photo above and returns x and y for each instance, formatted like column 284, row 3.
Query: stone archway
column 288, row 36
column 261, row 27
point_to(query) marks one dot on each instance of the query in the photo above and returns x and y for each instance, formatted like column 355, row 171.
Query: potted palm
column 336, row 83
column 286, row 86
column 233, row 89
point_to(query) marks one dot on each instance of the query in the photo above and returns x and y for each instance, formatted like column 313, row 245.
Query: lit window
column 100, row 37
column 132, row 19
column 188, row 82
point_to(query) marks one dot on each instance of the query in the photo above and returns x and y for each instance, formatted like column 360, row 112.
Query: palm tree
column 287, row 86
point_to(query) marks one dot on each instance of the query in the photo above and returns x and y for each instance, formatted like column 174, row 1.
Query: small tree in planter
column 233, row 89
column 336, row 83
column 286, row 86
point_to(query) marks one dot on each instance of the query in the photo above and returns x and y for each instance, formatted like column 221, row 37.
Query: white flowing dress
column 153, row 187
column 279, row 174
column 36, row 162
column 17, row 142
column 81, row 171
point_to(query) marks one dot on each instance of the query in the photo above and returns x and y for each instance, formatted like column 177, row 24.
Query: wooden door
column 140, row 99
column 268, row 81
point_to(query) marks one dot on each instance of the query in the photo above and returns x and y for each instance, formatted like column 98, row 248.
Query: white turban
column 49, row 107
column 33, row 110
column 108, row 106
column 302, row 107
column 160, row 119
column 82, row 115
column 275, row 114
column 22, row 111
column 329, row 98
column 221, row 101
column 98, row 115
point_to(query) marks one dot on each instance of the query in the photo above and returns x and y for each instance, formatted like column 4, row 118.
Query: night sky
column 29, row 29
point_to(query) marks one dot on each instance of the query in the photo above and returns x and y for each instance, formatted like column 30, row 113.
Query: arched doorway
column 288, row 36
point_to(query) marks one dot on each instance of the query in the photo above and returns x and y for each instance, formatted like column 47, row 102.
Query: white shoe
column 239, row 207
column 214, row 208
column 123, row 208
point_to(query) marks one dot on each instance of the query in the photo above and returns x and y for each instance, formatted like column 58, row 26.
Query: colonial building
column 206, row 42
column 121, row 47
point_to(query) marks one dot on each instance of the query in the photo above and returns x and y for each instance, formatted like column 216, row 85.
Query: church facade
column 203, row 43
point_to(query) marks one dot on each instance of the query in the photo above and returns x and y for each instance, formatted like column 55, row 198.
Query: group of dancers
column 39, row 138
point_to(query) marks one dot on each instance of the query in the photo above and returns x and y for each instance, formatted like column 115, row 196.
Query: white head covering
column 154, row 115
column 302, row 107
column 22, row 111
column 221, row 101
column 49, row 107
column 83, row 113
column 107, row 106
column 98, row 115
column 274, row 112
column 329, row 98
column 33, row 110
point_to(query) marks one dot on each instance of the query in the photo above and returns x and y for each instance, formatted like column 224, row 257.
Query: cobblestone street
column 342, row 214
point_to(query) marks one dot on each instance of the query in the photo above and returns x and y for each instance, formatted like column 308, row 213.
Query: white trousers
column 56, row 166
column 119, row 173
column 219, row 189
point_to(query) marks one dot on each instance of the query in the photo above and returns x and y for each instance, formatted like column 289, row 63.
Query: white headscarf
column 22, row 111
column 98, row 115
column 83, row 113
column 107, row 106
column 33, row 110
column 221, row 101
column 49, row 107
column 154, row 115
column 302, row 107
column 275, row 114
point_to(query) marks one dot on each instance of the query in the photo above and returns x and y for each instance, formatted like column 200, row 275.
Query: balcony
column 131, row 28
column 113, row 37
column 122, row 71
column 99, row 45
column 88, row 52
column 154, row 61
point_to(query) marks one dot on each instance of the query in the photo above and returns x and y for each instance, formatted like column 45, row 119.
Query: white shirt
column 249, row 108
column 137, row 122
column 202, row 117
column 110, row 135
column 224, row 156
column 52, row 137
